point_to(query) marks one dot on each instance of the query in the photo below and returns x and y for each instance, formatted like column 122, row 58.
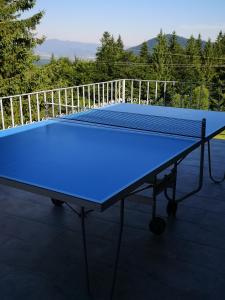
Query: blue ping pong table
column 101, row 156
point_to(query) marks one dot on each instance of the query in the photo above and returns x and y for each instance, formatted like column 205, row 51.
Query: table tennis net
column 136, row 121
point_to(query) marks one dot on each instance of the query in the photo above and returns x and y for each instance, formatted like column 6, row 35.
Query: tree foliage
column 17, row 41
column 195, row 63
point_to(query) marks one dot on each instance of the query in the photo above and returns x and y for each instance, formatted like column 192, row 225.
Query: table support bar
column 210, row 168
column 118, row 249
column 82, row 217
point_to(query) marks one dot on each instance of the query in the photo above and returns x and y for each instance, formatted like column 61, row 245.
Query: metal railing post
column 2, row 114
column 124, row 90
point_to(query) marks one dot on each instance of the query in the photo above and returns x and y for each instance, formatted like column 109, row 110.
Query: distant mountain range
column 66, row 48
column 152, row 43
column 86, row 50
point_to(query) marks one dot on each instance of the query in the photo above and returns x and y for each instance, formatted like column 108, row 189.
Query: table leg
column 118, row 248
column 82, row 217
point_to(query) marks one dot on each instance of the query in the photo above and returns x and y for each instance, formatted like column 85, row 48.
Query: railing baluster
column 99, row 100
column 124, row 90
column 94, row 95
column 84, row 104
column 12, row 112
column 164, row 93
column 115, row 91
column 59, row 102
column 21, row 110
column 89, row 97
column 38, row 106
column 53, row 104
column 112, row 91
column 107, row 92
column 46, row 105
column 103, row 94
column 30, row 109
column 139, row 93
column 119, row 91
column 156, row 90
column 72, row 101
column 132, row 91
column 148, row 92
column 78, row 98
column 2, row 114
column 66, row 101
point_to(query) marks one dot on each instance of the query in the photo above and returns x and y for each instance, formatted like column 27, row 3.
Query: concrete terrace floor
column 41, row 252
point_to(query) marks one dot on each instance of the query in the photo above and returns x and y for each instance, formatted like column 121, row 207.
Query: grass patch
column 221, row 136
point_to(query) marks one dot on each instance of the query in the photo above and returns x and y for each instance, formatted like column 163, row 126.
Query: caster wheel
column 157, row 225
column 171, row 208
column 57, row 202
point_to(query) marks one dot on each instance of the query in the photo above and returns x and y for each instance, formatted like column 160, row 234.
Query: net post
column 203, row 129
column 202, row 154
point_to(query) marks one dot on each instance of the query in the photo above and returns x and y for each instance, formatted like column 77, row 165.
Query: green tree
column 176, row 100
column 110, row 57
column 177, row 57
column 17, row 41
column 208, row 68
column 193, row 61
column 161, row 58
column 144, row 53
column 120, row 45
column 105, row 57
column 199, row 45
column 200, row 98
column 218, row 93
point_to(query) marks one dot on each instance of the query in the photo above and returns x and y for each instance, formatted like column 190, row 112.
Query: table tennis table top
column 91, row 165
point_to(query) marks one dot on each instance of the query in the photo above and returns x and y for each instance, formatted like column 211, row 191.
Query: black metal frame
column 201, row 170
column 115, row 268
column 174, row 184
column 210, row 167
column 82, row 215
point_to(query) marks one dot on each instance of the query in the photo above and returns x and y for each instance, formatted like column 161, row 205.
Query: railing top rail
column 59, row 89
column 152, row 80
column 175, row 81
column 99, row 83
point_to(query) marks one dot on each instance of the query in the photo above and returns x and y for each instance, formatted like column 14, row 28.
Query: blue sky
column 135, row 20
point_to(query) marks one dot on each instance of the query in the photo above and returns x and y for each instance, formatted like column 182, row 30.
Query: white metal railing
column 30, row 107
column 145, row 91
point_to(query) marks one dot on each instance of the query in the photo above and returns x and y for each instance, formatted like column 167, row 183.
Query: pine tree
column 199, row 45
column 177, row 58
column 161, row 58
column 106, row 52
column 17, row 41
column 144, row 53
column 193, row 61
column 219, row 78
column 120, row 45
column 208, row 62
column 109, row 57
